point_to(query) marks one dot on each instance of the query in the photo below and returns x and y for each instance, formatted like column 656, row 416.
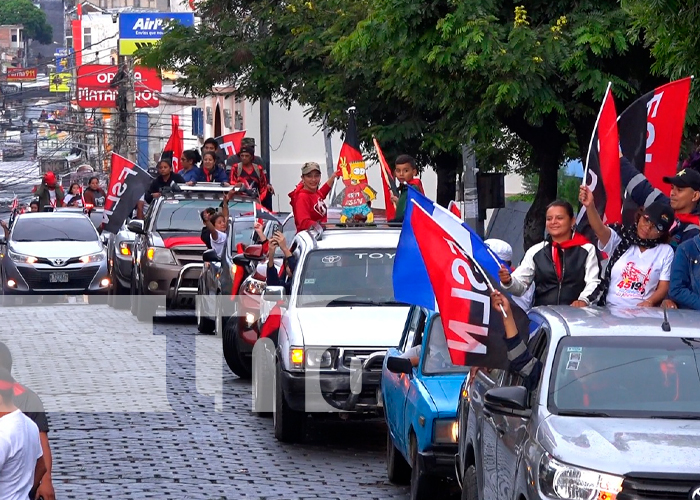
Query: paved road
column 150, row 411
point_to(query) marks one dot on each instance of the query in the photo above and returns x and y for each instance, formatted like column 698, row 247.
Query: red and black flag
column 231, row 143
column 350, row 155
column 127, row 184
column 388, row 182
column 602, row 172
column 651, row 129
column 474, row 331
column 174, row 147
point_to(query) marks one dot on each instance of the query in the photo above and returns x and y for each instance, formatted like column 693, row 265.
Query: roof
column 44, row 215
column 613, row 321
column 355, row 237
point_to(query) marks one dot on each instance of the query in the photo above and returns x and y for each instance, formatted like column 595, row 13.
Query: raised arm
column 601, row 231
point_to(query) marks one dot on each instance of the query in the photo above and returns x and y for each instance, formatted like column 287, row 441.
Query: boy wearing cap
column 49, row 192
column 685, row 195
column 307, row 199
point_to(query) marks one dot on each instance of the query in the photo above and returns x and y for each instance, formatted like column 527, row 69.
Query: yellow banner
column 129, row 47
column 60, row 82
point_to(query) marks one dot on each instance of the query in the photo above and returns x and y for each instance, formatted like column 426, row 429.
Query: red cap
column 50, row 178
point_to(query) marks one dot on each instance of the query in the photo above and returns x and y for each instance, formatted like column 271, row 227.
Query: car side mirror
column 507, row 401
column 240, row 260
column 274, row 294
column 210, row 256
column 253, row 252
column 397, row 364
column 135, row 226
column 105, row 239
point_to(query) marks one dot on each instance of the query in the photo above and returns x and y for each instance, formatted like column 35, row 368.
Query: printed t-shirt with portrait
column 636, row 274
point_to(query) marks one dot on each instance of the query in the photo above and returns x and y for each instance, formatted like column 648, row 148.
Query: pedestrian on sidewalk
column 21, row 462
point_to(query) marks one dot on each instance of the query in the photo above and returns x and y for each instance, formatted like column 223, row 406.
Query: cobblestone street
column 140, row 411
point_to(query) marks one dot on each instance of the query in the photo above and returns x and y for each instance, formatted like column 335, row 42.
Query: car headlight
column 296, row 358
column 445, row 431
column 559, row 480
column 21, row 258
column 160, row 255
column 320, row 358
column 254, row 287
column 125, row 248
column 95, row 257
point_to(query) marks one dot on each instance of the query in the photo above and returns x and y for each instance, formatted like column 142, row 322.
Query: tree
column 30, row 17
column 485, row 67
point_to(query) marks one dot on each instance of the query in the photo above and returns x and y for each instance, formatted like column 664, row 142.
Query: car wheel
column 397, row 469
column 423, row 486
column 469, row 491
column 133, row 296
column 145, row 308
column 220, row 322
column 204, row 324
column 119, row 295
column 232, row 355
column 289, row 424
column 263, row 378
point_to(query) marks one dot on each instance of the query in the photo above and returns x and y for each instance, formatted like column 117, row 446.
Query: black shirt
column 206, row 236
column 30, row 404
column 158, row 183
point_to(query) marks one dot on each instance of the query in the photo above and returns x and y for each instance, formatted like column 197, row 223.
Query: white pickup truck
column 336, row 326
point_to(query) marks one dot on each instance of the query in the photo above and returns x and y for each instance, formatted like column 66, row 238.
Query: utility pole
column 265, row 134
column 131, row 109
column 471, row 195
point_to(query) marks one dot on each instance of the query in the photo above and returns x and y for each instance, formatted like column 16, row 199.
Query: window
column 437, row 356
column 14, row 38
column 53, row 229
column 416, row 324
column 87, row 37
column 183, row 215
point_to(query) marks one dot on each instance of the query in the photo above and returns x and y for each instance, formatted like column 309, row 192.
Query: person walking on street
column 639, row 268
column 21, row 459
column 307, row 199
column 564, row 267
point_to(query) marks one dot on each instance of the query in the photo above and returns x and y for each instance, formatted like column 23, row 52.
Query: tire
column 119, row 296
column 397, row 469
column 263, row 383
column 288, row 424
column 232, row 355
column 469, row 487
column 145, row 308
column 204, row 324
column 133, row 296
column 423, row 486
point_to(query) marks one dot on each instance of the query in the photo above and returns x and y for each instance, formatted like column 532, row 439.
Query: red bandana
column 577, row 241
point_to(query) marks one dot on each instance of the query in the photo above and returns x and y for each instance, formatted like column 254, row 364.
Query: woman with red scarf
column 564, row 267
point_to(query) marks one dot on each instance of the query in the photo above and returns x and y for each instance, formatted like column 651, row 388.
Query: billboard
column 146, row 27
column 60, row 82
column 61, row 56
column 94, row 89
column 21, row 74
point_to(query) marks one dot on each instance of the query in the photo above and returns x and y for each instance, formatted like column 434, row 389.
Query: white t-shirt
column 52, row 197
column 20, row 448
column 219, row 242
column 636, row 274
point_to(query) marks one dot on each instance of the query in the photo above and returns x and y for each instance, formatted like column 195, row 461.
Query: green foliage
column 567, row 188
column 32, row 18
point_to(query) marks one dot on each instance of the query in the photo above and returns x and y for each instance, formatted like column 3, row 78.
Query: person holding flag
column 308, row 200
column 406, row 171
column 639, row 268
column 564, row 267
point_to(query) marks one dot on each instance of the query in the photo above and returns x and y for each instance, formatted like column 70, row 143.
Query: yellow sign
column 129, row 47
column 60, row 82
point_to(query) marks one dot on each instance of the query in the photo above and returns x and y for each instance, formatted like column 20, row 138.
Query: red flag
column 231, row 143
column 651, row 129
column 388, row 182
column 473, row 331
column 350, row 152
column 174, row 147
column 127, row 183
column 454, row 208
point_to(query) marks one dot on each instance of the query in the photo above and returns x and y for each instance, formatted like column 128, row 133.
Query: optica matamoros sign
column 21, row 74
column 94, row 89
column 140, row 28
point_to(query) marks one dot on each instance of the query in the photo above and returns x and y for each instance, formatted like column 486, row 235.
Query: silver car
column 615, row 413
column 53, row 253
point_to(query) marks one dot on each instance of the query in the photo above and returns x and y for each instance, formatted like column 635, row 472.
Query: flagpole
column 595, row 128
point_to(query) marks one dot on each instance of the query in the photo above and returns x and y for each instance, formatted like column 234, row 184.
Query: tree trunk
column 548, row 160
column 447, row 165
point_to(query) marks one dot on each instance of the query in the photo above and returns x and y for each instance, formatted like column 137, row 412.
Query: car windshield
column 53, row 229
column 437, row 357
column 183, row 215
column 626, row 377
column 337, row 278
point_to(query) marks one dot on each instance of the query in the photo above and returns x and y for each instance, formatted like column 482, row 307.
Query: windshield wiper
column 60, row 239
column 582, row 413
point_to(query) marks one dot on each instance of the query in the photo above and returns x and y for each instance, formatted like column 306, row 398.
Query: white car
column 338, row 322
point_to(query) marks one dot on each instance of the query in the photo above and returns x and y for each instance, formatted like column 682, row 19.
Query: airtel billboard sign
column 94, row 89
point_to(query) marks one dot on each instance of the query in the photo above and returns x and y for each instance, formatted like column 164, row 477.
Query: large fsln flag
column 602, row 172
column 388, row 182
column 231, row 143
column 473, row 329
column 127, row 184
column 410, row 277
column 651, row 129
column 175, row 145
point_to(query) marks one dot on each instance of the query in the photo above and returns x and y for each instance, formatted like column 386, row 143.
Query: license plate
column 58, row 278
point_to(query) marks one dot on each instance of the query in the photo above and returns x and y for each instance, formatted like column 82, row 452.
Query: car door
column 395, row 385
column 486, row 436
column 512, row 430
column 413, row 399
